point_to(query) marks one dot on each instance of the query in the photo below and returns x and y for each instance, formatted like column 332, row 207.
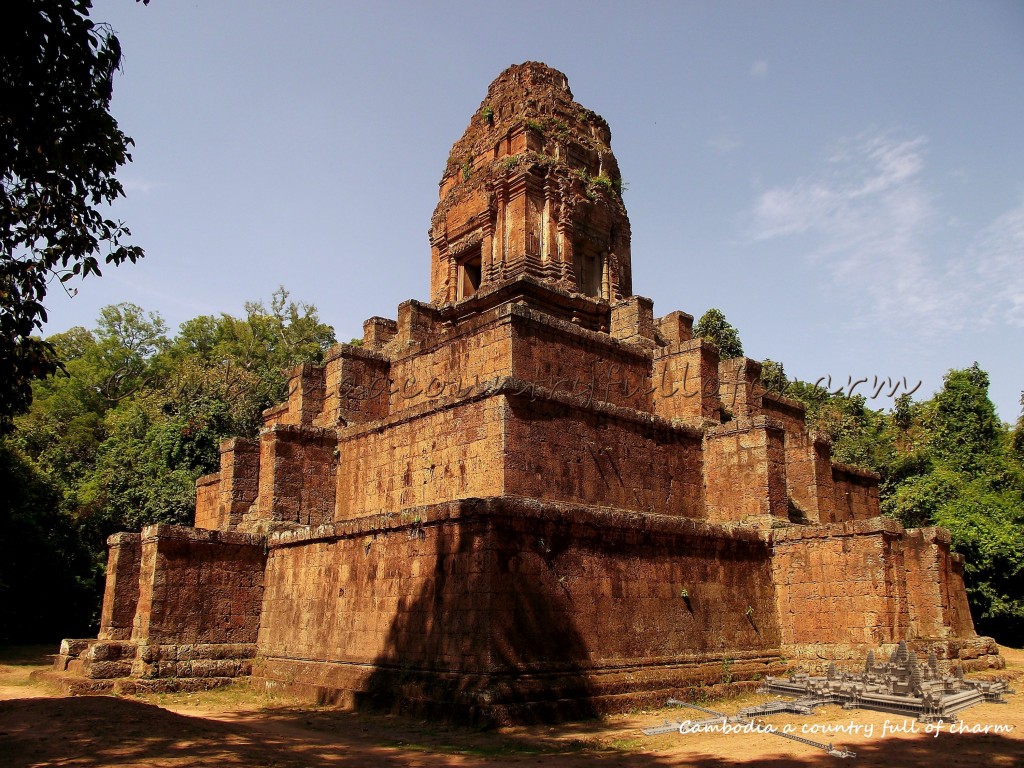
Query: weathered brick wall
column 306, row 393
column 477, row 351
column 802, row 469
column 855, row 493
column 297, row 474
column 208, row 507
column 239, row 480
column 560, row 452
column 121, row 593
column 503, row 585
column 276, row 414
column 592, row 585
column 198, row 586
column 305, row 401
column 935, row 590
column 959, row 608
column 531, row 345
column 824, row 485
column 357, row 384
column 842, row 583
column 452, row 452
column 555, row 354
column 738, row 390
column 632, row 319
column 745, row 470
column 417, row 323
column 378, row 331
column 675, row 327
column 684, row 380
column 336, row 598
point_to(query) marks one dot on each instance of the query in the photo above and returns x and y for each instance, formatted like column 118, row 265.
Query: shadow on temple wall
column 533, row 613
column 478, row 629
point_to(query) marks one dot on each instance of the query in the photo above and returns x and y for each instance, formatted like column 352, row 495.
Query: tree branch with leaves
column 59, row 151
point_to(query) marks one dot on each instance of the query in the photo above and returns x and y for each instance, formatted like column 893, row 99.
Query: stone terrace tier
column 496, row 609
column 526, row 390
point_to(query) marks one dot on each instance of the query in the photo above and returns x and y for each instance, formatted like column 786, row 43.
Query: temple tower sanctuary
column 531, row 189
column 528, row 496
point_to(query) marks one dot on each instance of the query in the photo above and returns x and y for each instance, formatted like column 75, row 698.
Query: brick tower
column 531, row 189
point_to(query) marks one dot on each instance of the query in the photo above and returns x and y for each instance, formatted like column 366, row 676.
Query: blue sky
column 844, row 180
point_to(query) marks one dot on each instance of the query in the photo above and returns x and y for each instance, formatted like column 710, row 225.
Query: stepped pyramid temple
column 529, row 496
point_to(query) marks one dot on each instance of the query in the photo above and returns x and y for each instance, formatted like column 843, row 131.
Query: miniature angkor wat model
column 901, row 686
column 527, row 495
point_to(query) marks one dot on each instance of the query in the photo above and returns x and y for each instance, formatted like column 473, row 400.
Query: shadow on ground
column 105, row 731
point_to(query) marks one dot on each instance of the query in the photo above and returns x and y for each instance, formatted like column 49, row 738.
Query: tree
column 773, row 376
column 118, row 442
column 964, row 423
column 265, row 344
column 713, row 327
column 59, row 150
column 128, row 339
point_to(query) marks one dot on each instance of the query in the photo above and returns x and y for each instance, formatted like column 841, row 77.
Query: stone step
column 77, row 685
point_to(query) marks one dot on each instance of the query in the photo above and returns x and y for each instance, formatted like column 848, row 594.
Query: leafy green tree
column 59, row 151
column 128, row 341
column 244, row 360
column 917, row 500
column 64, row 429
column 117, row 440
column 987, row 526
column 713, row 327
column 773, row 376
column 143, row 473
column 964, row 424
column 903, row 412
column 860, row 435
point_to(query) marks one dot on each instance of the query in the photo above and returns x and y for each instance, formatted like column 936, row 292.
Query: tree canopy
column 59, row 151
column 713, row 327
column 118, row 440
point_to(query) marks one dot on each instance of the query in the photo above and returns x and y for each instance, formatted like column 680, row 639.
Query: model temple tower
column 529, row 494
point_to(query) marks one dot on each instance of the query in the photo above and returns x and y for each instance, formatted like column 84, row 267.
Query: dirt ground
column 236, row 726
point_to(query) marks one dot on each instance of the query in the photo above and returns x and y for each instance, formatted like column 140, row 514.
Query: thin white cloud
column 725, row 142
column 759, row 69
column 874, row 222
column 998, row 253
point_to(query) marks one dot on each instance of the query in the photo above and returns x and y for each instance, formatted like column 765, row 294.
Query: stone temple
column 529, row 496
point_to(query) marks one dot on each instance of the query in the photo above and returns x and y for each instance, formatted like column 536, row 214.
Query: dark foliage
column 59, row 150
